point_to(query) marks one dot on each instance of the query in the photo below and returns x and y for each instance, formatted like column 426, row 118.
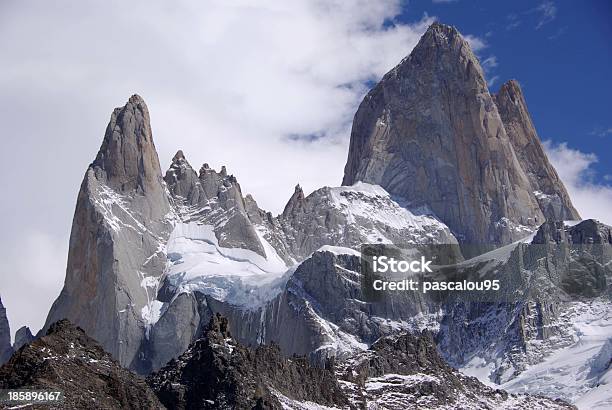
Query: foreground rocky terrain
column 401, row 372
column 68, row 360
column 217, row 372
column 435, row 159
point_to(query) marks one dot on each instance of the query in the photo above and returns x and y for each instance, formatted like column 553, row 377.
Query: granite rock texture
column 121, row 222
column 431, row 132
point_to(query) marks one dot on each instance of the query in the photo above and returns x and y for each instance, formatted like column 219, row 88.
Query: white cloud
column 476, row 43
column 492, row 81
column 592, row 199
column 513, row 21
column 489, row 63
column 602, row 131
column 548, row 12
column 227, row 82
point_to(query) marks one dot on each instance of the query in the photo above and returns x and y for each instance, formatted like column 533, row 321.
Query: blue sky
column 559, row 51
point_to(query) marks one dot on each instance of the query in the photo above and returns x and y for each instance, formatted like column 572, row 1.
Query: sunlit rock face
column 431, row 132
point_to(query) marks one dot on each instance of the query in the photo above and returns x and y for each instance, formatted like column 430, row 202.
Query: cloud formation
column 547, row 11
column 575, row 168
column 229, row 83
column 602, row 131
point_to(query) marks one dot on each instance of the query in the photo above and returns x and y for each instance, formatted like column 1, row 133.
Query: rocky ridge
column 23, row 336
column 217, row 372
column 68, row 360
column 401, row 372
column 550, row 192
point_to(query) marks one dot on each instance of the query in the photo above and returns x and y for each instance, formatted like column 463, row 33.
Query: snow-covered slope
column 353, row 215
column 330, row 219
column 197, row 262
column 579, row 373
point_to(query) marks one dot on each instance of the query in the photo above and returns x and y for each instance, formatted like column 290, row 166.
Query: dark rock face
column 6, row 349
column 121, row 222
column 431, row 132
column 23, row 336
column 67, row 359
column 549, row 190
column 400, row 372
column 217, row 373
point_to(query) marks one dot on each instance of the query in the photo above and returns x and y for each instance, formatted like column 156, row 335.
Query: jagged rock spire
column 551, row 193
column 127, row 156
column 430, row 132
column 295, row 202
column 120, row 222
column 23, row 336
column 178, row 156
column 5, row 336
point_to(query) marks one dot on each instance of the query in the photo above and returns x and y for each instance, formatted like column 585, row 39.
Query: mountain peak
column 430, row 131
column 442, row 36
column 127, row 156
column 445, row 52
column 136, row 99
column 178, row 156
column 550, row 192
column 66, row 356
column 295, row 202
column 439, row 29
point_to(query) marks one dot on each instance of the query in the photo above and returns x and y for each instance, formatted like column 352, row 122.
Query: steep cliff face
column 430, row 132
column 23, row 336
column 549, row 190
column 120, row 227
column 6, row 349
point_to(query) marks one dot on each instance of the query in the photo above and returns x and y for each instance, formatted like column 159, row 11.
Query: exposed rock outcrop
column 554, row 200
column 351, row 216
column 23, row 336
column 344, row 216
column 6, row 350
column 400, row 372
column 430, row 132
column 213, row 198
column 216, row 372
column 68, row 360
column 120, row 225
column 406, row 372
